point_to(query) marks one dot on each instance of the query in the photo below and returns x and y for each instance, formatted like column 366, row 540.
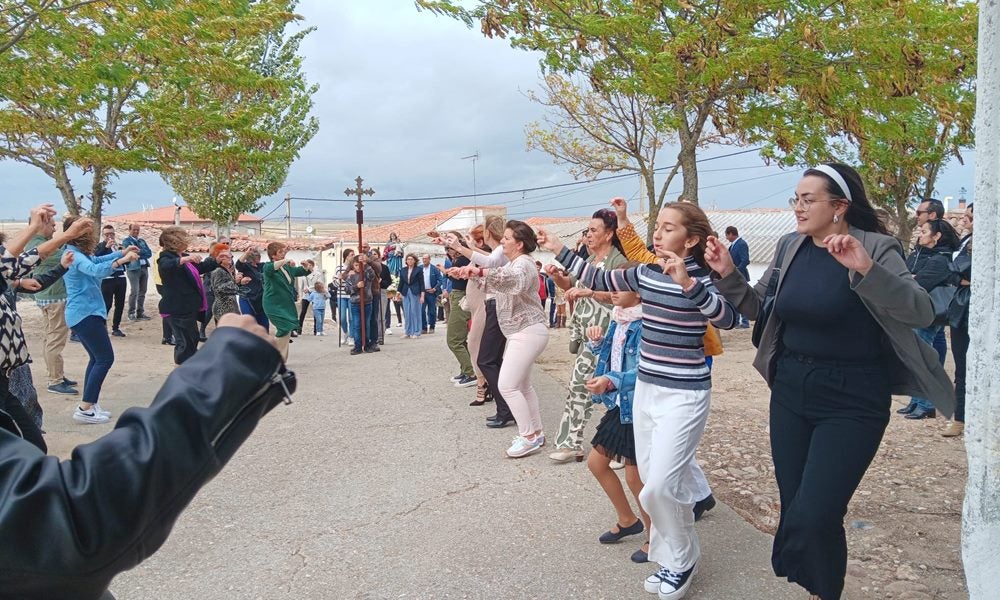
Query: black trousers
column 302, row 314
column 959, row 350
column 12, row 406
column 185, row 329
column 113, row 290
column 827, row 420
column 168, row 333
column 491, row 357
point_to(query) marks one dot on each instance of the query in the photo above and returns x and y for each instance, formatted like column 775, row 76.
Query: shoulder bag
column 772, row 288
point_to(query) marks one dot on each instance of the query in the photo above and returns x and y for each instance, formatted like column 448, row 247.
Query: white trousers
column 668, row 425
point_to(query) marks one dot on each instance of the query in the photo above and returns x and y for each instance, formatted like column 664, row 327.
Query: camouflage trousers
column 578, row 406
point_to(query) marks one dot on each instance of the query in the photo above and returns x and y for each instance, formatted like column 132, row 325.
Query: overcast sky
column 403, row 97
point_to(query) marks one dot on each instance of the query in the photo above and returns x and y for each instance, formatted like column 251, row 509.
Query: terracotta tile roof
column 164, row 215
column 410, row 229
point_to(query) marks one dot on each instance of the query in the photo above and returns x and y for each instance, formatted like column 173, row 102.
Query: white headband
column 837, row 178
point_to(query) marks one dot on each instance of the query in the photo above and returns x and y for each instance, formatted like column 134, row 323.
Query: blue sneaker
column 63, row 389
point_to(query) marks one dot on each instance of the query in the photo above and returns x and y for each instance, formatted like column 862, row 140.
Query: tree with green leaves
column 97, row 88
column 697, row 61
column 222, row 176
column 600, row 131
column 19, row 17
column 900, row 111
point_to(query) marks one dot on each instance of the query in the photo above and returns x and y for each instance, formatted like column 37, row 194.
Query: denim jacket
column 624, row 380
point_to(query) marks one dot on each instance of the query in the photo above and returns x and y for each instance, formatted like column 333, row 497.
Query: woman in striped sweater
column 673, row 390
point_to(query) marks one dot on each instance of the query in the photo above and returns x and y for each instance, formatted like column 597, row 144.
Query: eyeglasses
column 922, row 212
column 808, row 202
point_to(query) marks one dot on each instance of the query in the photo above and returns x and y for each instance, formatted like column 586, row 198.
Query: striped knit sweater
column 671, row 353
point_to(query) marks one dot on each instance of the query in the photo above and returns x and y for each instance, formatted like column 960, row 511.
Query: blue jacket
column 144, row 253
column 740, row 252
column 413, row 285
column 435, row 280
column 83, row 285
column 624, row 380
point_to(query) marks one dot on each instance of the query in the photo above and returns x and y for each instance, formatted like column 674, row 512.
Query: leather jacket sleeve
column 68, row 527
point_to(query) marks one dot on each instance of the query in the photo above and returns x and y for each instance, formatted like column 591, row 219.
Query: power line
column 522, row 190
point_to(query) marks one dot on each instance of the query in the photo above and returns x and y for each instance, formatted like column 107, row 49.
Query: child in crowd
column 613, row 384
column 673, row 387
column 318, row 298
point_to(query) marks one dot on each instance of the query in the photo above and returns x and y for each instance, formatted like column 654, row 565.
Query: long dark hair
column 949, row 237
column 610, row 220
column 860, row 212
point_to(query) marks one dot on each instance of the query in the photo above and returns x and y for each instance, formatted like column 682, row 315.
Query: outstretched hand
column 621, row 210
column 717, row 256
column 549, row 241
column 849, row 252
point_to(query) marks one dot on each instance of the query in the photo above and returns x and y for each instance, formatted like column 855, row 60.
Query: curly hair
column 174, row 239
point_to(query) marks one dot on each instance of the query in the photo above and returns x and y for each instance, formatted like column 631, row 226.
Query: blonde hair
column 494, row 225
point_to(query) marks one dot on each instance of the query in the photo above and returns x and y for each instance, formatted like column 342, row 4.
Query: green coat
column 279, row 297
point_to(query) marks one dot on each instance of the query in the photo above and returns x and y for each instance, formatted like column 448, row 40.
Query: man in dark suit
column 432, row 287
column 740, row 252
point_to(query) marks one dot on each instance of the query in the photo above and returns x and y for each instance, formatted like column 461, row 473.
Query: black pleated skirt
column 615, row 440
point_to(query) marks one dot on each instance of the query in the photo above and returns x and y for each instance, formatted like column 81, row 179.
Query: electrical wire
column 522, row 190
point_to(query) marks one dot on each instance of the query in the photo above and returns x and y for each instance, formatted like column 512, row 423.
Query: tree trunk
column 904, row 229
column 65, row 188
column 98, row 191
column 688, row 159
column 981, row 515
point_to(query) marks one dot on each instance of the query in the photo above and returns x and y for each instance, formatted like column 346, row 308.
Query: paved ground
column 380, row 482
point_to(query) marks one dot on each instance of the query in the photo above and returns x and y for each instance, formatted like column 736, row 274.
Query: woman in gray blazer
column 839, row 342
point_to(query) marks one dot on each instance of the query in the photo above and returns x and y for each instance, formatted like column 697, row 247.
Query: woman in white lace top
column 522, row 320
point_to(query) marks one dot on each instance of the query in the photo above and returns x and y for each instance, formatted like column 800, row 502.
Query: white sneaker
column 89, row 416
column 669, row 585
column 522, row 446
column 615, row 465
column 388, row 331
column 349, row 342
column 100, row 410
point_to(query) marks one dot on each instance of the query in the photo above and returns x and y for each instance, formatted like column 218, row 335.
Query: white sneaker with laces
column 670, row 585
column 89, row 416
column 100, row 410
column 522, row 446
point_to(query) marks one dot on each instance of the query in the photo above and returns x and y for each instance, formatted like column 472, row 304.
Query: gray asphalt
column 379, row 481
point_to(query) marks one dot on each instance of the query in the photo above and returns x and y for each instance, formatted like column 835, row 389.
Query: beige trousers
column 283, row 346
column 56, row 336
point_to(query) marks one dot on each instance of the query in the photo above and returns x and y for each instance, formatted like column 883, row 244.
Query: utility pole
column 288, row 215
column 475, row 199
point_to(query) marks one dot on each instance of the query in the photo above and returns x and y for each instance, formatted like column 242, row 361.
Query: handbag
column 942, row 297
column 767, row 305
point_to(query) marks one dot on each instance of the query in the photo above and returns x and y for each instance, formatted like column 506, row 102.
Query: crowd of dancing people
column 845, row 320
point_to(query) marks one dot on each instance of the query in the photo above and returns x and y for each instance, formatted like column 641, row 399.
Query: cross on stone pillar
column 360, row 191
